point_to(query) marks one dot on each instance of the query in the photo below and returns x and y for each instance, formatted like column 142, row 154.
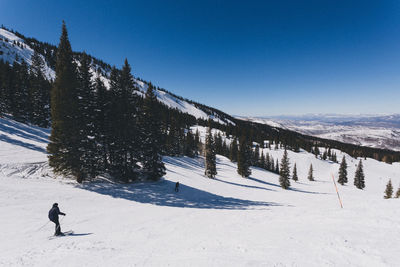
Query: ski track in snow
column 229, row 220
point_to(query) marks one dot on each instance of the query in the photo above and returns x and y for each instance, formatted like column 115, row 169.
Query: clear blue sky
column 244, row 57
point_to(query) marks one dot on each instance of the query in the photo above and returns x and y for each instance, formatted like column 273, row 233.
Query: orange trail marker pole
column 333, row 178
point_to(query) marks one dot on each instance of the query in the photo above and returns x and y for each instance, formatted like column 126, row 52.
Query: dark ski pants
column 58, row 227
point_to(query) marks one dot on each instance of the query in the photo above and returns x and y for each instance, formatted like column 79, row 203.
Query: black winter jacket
column 53, row 214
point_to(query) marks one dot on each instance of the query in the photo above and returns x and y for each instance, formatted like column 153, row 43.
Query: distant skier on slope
column 53, row 216
column 177, row 187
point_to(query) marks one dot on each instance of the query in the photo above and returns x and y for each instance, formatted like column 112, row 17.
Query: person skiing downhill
column 177, row 187
column 53, row 216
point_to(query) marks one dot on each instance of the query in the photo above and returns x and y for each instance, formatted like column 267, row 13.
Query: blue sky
column 244, row 57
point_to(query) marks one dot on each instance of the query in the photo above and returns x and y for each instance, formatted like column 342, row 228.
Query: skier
column 177, row 187
column 53, row 216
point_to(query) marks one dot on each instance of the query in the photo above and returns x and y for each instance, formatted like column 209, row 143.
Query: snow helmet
column 55, row 205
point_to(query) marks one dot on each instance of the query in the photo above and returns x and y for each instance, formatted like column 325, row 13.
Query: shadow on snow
column 12, row 141
column 162, row 194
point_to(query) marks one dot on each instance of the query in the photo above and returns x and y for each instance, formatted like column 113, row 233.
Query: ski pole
column 42, row 226
column 337, row 191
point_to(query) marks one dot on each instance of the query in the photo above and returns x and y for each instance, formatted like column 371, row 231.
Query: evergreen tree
column 102, row 125
column 316, row 151
column 190, row 144
column 244, row 158
column 218, row 144
column 210, row 156
column 311, row 173
column 151, row 158
column 398, row 193
column 256, row 156
column 262, row 161
column 325, row 155
column 63, row 147
column 85, row 121
column 267, row 162
column 21, row 108
column 359, row 179
column 389, row 190
column 277, row 167
column 197, row 142
column 128, row 145
column 39, row 93
column 233, row 150
column 284, row 174
column 294, row 176
column 343, row 172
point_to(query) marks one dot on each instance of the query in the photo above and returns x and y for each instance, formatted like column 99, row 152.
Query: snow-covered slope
column 229, row 220
column 372, row 131
column 13, row 47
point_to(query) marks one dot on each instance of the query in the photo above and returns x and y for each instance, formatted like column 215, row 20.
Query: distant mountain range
column 379, row 131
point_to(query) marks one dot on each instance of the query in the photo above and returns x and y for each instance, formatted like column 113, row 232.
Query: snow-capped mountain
column 16, row 47
column 378, row 131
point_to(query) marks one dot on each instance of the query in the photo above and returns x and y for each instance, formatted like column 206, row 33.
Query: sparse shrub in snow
column 389, row 190
column 398, row 193
column 311, row 173
column 294, row 176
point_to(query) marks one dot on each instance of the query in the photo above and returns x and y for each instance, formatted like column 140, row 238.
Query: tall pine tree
column 359, row 178
column 343, row 172
column 244, row 158
column 63, row 147
column 151, row 158
column 210, row 156
column 284, row 174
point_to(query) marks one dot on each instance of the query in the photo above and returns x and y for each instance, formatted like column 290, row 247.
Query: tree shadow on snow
column 162, row 194
column 12, row 141
column 243, row 185
column 25, row 131
column 192, row 164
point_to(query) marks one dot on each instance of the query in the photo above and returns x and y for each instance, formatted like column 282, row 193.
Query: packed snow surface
column 226, row 221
